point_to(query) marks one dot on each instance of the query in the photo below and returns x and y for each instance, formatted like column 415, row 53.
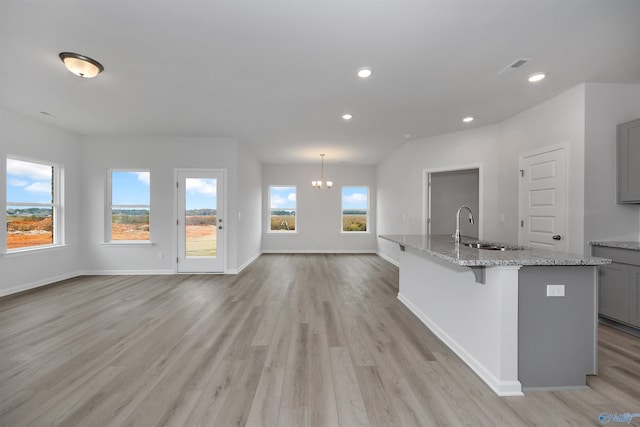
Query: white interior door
column 200, row 221
column 543, row 200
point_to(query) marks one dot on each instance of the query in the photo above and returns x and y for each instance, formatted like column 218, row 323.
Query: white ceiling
column 278, row 75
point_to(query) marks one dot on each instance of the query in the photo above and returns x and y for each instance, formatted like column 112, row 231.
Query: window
column 282, row 202
column 128, row 211
column 33, row 204
column 355, row 209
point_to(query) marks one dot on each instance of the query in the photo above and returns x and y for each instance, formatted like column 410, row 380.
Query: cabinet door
column 613, row 282
column 634, row 294
column 628, row 160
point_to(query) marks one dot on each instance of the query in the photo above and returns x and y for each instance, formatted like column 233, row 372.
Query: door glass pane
column 200, row 217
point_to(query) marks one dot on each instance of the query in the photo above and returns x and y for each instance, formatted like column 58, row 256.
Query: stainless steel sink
column 487, row 246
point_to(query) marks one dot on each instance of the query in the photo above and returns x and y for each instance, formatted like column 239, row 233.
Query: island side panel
column 477, row 321
column 558, row 335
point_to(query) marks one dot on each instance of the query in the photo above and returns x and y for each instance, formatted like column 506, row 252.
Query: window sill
column 33, row 250
column 127, row 243
column 355, row 232
column 282, row 232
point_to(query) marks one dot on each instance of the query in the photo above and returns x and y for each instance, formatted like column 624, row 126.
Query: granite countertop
column 634, row 246
column 442, row 246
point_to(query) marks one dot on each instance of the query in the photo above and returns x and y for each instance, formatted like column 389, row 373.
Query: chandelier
column 321, row 183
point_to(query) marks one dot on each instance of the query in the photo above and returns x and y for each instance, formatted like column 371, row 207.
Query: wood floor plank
column 293, row 340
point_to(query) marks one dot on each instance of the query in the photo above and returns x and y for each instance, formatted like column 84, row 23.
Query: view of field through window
column 282, row 201
column 29, row 204
column 201, row 238
column 355, row 206
column 130, row 201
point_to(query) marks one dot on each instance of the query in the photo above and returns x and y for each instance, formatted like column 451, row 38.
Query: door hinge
column 177, row 184
column 177, row 222
column 177, row 260
column 521, row 223
column 522, row 173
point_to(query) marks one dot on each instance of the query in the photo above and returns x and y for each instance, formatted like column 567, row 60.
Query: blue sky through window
column 202, row 193
column 283, row 197
column 28, row 182
column 355, row 198
column 130, row 188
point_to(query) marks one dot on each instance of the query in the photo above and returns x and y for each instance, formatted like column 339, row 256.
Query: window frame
column 57, row 204
column 109, row 206
column 295, row 210
column 342, row 209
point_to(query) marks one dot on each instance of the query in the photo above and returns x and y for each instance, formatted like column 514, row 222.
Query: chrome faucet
column 456, row 236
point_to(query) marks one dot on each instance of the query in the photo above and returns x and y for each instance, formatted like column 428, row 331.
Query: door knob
column 557, row 237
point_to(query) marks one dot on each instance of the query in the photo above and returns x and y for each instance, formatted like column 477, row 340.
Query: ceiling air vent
column 513, row 66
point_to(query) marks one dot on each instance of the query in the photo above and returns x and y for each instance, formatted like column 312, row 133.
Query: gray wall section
column 449, row 191
column 557, row 335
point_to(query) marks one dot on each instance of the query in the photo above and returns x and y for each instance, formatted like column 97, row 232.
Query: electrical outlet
column 555, row 290
column 160, row 255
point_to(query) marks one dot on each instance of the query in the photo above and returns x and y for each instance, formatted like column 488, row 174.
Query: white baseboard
column 126, row 272
column 386, row 258
column 39, row 283
column 318, row 251
column 501, row 388
column 243, row 266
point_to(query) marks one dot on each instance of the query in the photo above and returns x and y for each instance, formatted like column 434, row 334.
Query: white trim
column 134, row 243
column 38, row 283
column 245, row 265
column 126, row 272
column 426, row 208
column 31, row 250
column 389, row 259
column 318, row 251
column 501, row 388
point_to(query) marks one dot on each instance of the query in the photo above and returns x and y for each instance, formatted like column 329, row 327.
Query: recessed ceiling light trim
column 81, row 65
column 365, row 72
column 536, row 77
column 468, row 119
column 347, row 116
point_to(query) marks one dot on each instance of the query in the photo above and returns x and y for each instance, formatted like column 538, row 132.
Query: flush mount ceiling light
column 81, row 65
column 468, row 119
column 346, row 117
column 321, row 184
column 364, row 72
column 536, row 77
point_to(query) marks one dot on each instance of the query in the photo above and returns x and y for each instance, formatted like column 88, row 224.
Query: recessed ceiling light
column 365, row 72
column 468, row 119
column 347, row 116
column 536, row 77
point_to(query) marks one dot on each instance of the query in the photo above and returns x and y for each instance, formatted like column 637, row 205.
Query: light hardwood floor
column 294, row 340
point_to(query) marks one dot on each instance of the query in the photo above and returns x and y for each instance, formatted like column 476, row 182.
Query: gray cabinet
column 613, row 291
column 619, row 285
column 634, row 293
column 628, row 162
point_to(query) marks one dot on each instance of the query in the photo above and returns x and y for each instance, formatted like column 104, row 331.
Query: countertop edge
column 537, row 258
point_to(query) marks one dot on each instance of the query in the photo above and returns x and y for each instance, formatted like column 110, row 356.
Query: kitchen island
column 491, row 307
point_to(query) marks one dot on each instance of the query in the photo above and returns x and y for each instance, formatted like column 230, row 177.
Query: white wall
column 497, row 148
column 22, row 136
column 607, row 105
column 318, row 216
column 162, row 155
column 249, row 210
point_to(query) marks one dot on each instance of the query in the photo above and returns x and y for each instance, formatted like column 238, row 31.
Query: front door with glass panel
column 200, row 221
